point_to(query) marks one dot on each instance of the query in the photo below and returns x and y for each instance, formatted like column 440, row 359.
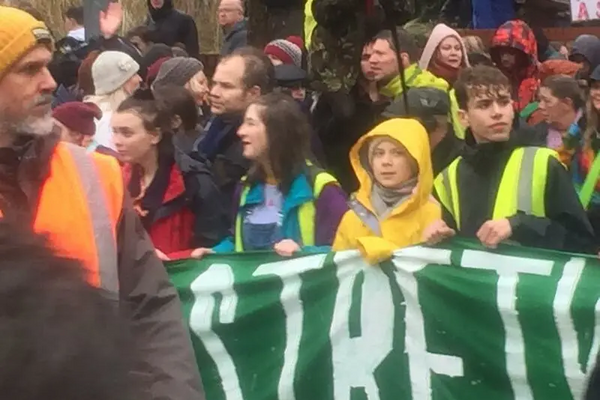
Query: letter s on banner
column 218, row 278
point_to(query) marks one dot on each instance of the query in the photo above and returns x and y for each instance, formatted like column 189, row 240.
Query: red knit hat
column 153, row 70
column 78, row 117
column 289, row 52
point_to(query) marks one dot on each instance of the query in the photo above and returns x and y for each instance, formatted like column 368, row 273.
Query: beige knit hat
column 19, row 33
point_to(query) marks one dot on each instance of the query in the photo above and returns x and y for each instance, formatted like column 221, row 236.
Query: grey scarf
column 385, row 200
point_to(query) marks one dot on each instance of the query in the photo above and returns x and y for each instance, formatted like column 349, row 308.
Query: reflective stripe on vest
column 522, row 186
column 80, row 204
column 306, row 212
column 106, row 246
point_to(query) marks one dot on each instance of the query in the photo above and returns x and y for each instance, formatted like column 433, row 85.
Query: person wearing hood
column 503, row 189
column 384, row 64
column 393, row 204
column 444, row 56
column 514, row 51
column 234, row 25
column 170, row 26
column 586, row 52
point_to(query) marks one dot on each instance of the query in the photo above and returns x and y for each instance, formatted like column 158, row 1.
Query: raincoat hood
column 439, row 33
column 413, row 136
column 587, row 46
column 405, row 224
column 517, row 35
column 162, row 12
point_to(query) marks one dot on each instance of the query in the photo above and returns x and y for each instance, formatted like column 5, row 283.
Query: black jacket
column 147, row 299
column 566, row 226
column 170, row 26
column 450, row 148
column 221, row 149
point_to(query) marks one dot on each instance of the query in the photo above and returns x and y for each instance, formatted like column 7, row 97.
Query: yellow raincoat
column 405, row 225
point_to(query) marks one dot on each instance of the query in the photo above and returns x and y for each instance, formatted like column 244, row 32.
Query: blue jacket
column 330, row 208
column 490, row 14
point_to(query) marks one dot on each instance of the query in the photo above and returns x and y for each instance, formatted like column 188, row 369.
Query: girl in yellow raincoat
column 393, row 205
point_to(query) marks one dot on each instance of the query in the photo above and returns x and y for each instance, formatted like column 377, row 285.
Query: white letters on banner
column 289, row 272
column 420, row 361
column 218, row 278
column 508, row 269
column 356, row 358
column 357, row 355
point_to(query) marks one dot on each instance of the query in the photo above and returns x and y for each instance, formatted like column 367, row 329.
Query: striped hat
column 19, row 33
column 289, row 50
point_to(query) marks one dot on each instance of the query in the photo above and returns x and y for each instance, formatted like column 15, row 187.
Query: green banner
column 430, row 324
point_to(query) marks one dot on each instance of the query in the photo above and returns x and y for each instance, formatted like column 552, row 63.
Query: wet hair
column 565, row 87
column 407, row 42
column 288, row 138
column 179, row 103
column 155, row 117
column 258, row 69
column 61, row 337
column 479, row 79
column 75, row 13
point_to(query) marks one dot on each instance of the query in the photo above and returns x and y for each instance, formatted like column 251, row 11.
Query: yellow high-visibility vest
column 306, row 212
column 522, row 186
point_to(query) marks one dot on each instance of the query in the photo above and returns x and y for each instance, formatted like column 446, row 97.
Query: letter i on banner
column 420, row 361
column 289, row 271
column 356, row 358
column 508, row 269
column 218, row 278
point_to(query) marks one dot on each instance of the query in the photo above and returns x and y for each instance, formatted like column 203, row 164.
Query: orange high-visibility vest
column 79, row 209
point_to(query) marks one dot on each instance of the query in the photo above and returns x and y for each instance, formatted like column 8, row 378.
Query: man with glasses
column 232, row 21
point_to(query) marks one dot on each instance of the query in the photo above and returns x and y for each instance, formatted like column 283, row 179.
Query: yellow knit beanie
column 19, row 33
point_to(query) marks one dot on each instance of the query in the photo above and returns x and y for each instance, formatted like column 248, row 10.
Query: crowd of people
column 125, row 153
column 257, row 159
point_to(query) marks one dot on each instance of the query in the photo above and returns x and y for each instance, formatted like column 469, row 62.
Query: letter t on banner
column 508, row 269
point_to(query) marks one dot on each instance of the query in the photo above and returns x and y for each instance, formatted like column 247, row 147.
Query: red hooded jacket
column 518, row 35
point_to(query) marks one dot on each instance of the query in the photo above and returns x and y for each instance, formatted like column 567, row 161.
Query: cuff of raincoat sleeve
column 226, row 246
column 375, row 249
